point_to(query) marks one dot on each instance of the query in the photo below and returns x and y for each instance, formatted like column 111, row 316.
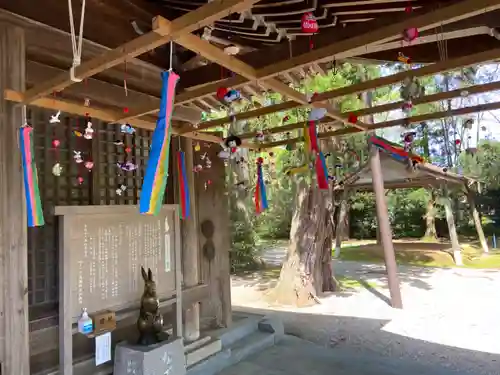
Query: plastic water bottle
column 85, row 325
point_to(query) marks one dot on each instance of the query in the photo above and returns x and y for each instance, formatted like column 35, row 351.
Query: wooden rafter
column 105, row 93
column 104, row 114
column 471, row 90
column 200, row 17
column 427, row 70
column 215, row 54
column 379, row 31
column 387, row 124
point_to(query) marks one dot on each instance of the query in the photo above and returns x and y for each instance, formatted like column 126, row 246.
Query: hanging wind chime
column 34, row 211
column 309, row 26
column 185, row 201
column 56, row 143
column 155, row 179
column 260, row 197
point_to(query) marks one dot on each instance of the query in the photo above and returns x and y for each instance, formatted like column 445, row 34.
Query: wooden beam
column 104, row 114
column 387, row 124
column 191, row 21
column 106, row 93
column 471, row 90
column 335, row 41
column 215, row 54
column 427, row 70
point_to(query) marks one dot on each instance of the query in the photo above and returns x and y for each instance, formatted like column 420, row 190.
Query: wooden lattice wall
column 98, row 188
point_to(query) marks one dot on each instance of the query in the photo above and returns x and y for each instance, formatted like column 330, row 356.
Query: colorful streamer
column 31, row 190
column 183, row 186
column 260, row 190
column 320, row 162
column 155, row 180
column 395, row 150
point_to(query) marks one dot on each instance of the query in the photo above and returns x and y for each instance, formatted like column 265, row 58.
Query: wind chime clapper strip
column 34, row 211
column 260, row 191
column 155, row 179
column 319, row 158
column 185, row 201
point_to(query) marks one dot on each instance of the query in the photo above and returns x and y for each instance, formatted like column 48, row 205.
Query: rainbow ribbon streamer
column 393, row 149
column 30, row 176
column 320, row 162
column 260, row 192
column 155, row 180
column 183, row 186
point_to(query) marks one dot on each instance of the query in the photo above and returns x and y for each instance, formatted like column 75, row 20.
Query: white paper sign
column 103, row 349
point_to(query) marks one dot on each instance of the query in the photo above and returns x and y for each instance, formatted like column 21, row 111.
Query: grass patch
column 348, row 283
column 422, row 253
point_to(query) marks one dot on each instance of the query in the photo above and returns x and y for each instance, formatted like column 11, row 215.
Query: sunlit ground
column 421, row 253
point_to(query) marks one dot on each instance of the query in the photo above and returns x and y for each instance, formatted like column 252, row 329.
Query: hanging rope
column 171, row 55
column 76, row 43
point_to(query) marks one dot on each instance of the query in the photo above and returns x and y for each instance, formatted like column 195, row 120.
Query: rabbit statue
column 150, row 321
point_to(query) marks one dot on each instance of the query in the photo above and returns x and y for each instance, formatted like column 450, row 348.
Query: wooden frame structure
column 23, row 71
column 399, row 175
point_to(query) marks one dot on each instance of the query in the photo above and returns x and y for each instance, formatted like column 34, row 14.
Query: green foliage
column 436, row 141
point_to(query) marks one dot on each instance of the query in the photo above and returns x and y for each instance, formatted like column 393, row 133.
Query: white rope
column 76, row 43
column 171, row 54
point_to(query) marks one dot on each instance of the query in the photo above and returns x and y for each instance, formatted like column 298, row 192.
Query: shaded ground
column 294, row 356
column 450, row 320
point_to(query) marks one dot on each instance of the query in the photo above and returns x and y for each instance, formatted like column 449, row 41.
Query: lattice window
column 98, row 188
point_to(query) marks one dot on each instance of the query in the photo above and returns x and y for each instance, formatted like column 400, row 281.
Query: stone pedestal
column 166, row 358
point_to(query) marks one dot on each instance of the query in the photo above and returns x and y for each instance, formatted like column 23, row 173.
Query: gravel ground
column 450, row 319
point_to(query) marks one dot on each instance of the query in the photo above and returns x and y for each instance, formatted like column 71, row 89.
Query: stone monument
column 154, row 353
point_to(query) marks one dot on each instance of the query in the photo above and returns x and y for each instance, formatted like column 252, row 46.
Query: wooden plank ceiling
column 262, row 35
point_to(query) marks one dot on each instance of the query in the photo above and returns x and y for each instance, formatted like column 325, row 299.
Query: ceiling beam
column 427, row 70
column 329, row 43
column 209, row 89
column 432, row 18
column 191, row 21
column 218, row 56
column 104, row 93
column 105, row 114
column 387, row 124
column 471, row 90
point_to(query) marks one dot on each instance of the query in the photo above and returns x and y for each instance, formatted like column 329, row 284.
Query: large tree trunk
column 430, row 218
column 307, row 270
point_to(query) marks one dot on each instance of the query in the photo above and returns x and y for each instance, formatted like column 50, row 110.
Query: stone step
column 238, row 330
column 207, row 347
column 250, row 344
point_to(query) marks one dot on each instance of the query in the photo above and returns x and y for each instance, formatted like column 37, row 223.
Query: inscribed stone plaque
column 107, row 252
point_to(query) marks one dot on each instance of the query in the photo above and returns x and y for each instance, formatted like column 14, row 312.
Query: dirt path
column 451, row 316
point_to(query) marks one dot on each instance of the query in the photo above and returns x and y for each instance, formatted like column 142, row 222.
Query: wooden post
column 477, row 221
column 13, row 227
column 190, row 246
column 384, row 227
column 216, row 311
column 455, row 245
column 339, row 232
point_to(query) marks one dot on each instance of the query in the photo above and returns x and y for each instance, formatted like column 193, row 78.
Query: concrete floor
column 294, row 356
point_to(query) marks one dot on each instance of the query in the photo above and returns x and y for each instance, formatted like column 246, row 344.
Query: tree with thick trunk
column 307, row 269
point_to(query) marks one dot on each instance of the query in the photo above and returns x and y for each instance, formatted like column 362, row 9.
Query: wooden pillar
column 339, row 232
column 384, row 226
column 455, row 245
column 477, row 221
column 13, row 227
column 213, row 207
column 190, row 247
